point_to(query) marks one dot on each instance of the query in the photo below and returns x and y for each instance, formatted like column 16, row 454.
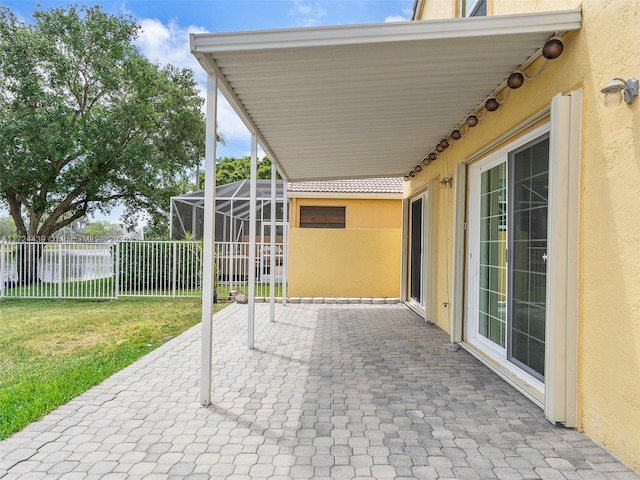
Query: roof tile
column 362, row 185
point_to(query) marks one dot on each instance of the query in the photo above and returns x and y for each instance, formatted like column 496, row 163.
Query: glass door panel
column 416, row 247
column 493, row 258
column 529, row 172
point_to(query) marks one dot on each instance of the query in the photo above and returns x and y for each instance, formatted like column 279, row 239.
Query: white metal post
column 231, row 269
column 272, row 247
column 171, row 218
column 285, row 241
column 60, row 270
column 116, row 281
column 174, row 269
column 208, row 239
column 4, row 276
column 253, row 184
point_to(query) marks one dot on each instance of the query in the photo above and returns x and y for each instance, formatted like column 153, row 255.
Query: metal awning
column 368, row 100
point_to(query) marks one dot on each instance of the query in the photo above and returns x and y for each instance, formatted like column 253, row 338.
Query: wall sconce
column 446, row 182
column 618, row 88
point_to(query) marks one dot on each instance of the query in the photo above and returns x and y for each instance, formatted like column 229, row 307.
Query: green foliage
column 101, row 230
column 87, row 122
column 7, row 228
column 229, row 170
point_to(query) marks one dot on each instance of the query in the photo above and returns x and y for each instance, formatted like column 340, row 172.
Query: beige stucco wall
column 609, row 250
column 433, row 9
column 361, row 260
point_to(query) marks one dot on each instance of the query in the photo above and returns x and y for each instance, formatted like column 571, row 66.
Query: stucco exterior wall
column 609, row 252
column 432, row 9
column 361, row 260
column 344, row 263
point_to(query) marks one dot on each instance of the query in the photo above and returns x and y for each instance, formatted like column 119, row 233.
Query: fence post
column 4, row 277
column 174, row 267
column 60, row 269
column 116, row 282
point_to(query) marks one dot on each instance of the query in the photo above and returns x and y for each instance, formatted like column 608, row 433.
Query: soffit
column 367, row 100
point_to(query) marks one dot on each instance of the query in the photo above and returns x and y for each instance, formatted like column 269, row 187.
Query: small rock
column 242, row 298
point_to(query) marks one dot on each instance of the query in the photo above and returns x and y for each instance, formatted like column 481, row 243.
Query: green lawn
column 53, row 350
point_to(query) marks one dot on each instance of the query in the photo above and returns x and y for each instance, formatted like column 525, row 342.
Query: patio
column 331, row 391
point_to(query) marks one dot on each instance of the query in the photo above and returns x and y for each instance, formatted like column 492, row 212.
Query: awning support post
column 272, row 247
column 285, row 241
column 208, row 254
column 253, row 188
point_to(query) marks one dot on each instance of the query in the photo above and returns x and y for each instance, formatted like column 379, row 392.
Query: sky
column 166, row 25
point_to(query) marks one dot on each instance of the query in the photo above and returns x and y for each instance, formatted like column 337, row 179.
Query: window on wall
column 322, row 217
column 473, row 8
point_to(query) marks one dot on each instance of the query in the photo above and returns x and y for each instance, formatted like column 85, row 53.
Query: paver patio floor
column 330, row 391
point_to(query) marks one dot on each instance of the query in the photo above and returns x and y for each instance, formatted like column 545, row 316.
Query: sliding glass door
column 508, row 205
column 417, row 250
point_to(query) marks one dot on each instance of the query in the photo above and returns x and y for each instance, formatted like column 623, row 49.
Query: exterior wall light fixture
column 619, row 88
column 552, row 49
column 446, row 182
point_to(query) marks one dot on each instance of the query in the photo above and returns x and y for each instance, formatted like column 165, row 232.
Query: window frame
column 329, row 225
column 475, row 6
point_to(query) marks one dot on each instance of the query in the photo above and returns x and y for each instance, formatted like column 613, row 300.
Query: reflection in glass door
column 416, row 251
column 529, row 172
column 493, row 255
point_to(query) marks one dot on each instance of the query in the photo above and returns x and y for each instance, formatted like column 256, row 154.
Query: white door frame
column 560, row 386
column 497, row 353
column 429, row 196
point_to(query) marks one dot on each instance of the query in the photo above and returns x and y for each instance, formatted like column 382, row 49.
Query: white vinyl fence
column 128, row 268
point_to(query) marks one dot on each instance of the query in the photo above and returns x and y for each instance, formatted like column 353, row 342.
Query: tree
column 101, row 230
column 229, row 170
column 7, row 228
column 87, row 122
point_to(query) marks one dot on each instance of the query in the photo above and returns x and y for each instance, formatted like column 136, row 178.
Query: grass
column 101, row 287
column 53, row 350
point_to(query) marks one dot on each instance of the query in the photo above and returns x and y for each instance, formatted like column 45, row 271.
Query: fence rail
column 129, row 268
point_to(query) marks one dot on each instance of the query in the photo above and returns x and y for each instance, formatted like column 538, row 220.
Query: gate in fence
column 128, row 268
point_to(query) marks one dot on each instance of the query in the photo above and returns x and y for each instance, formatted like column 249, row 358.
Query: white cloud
column 169, row 44
column 406, row 16
column 308, row 15
column 395, row 18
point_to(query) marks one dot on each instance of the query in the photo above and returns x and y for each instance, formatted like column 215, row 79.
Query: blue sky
column 166, row 25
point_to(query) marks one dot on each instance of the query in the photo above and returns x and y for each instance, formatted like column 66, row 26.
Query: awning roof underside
column 368, row 100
